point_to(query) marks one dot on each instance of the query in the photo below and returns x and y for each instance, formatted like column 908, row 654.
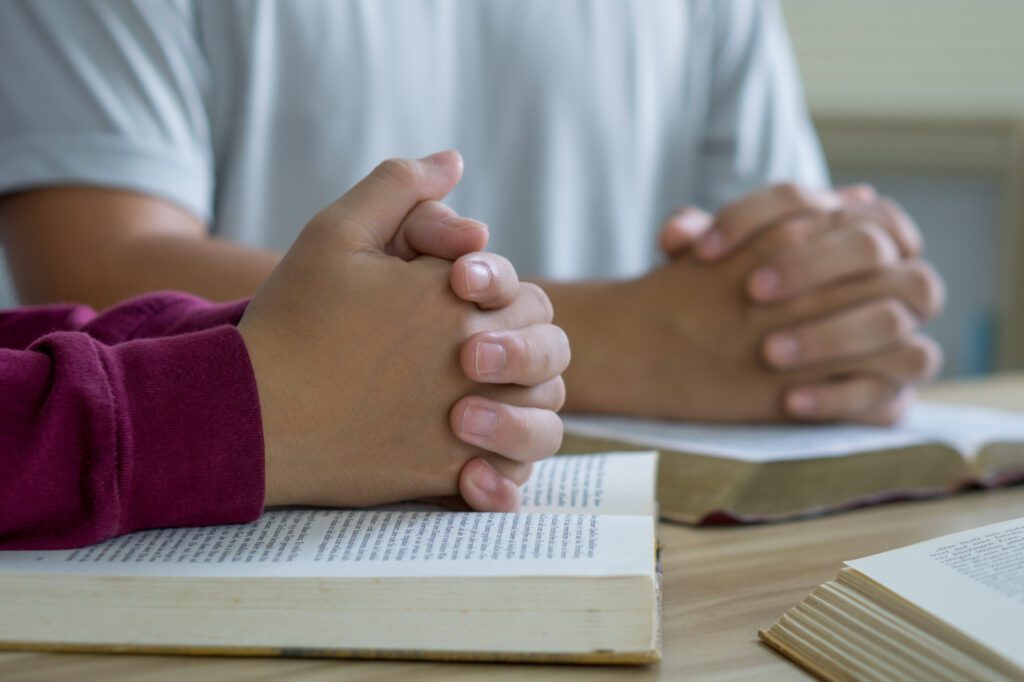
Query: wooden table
column 721, row 585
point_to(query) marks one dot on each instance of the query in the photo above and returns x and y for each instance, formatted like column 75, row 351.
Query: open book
column 571, row 578
column 722, row 473
column 946, row 609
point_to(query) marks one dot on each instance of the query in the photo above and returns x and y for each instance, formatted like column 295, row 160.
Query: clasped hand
column 386, row 371
column 805, row 304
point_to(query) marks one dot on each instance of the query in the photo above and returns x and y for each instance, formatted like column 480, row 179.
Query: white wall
column 949, row 58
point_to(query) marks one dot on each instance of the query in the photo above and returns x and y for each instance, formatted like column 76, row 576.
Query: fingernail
column 479, row 421
column 765, row 283
column 803, row 403
column 712, row 244
column 690, row 222
column 478, row 277
column 459, row 223
column 866, row 191
column 486, row 479
column 490, row 358
column 437, row 157
column 783, row 349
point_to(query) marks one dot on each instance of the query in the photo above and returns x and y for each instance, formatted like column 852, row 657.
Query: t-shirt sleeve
column 758, row 131
column 111, row 94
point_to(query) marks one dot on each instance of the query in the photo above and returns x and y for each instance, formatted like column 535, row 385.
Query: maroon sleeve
column 20, row 327
column 147, row 316
column 162, row 314
column 97, row 440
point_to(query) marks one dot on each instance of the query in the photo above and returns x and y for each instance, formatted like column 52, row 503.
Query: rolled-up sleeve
column 109, row 94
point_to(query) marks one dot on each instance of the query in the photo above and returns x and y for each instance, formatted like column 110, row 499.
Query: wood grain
column 721, row 585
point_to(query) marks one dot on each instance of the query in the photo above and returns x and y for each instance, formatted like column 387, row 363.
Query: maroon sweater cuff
column 191, row 438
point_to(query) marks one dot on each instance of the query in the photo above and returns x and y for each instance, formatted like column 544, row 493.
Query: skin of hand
column 840, row 240
column 368, row 365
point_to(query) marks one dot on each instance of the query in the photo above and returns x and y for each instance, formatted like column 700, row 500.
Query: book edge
column 632, row 658
column 768, row 638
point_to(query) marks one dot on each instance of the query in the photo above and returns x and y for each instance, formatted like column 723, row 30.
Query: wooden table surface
column 721, row 585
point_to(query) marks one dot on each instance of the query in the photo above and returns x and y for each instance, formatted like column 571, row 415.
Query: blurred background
column 925, row 100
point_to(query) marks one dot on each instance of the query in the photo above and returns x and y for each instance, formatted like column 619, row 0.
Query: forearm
column 210, row 268
column 102, row 246
column 96, row 440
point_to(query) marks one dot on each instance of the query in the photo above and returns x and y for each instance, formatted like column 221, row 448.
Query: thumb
column 682, row 229
column 368, row 216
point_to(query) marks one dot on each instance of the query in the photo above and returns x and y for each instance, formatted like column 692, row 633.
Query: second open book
column 722, row 473
column 572, row 578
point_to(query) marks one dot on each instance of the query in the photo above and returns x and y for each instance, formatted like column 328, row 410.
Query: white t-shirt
column 582, row 123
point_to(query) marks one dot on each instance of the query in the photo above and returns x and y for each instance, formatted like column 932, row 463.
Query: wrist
column 596, row 317
column 269, row 388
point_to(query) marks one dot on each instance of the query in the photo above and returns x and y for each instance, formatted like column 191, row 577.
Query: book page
column 370, row 543
column 609, row 483
column 973, row 581
column 963, row 428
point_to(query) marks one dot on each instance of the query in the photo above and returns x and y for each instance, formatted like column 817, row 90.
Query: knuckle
column 920, row 279
column 558, row 393
column 520, row 473
column 557, row 432
column 790, row 233
column 565, row 346
column 873, row 390
column 918, row 360
column 400, row 171
column 924, row 358
column 926, row 288
column 547, row 310
column 876, row 245
column 782, row 243
column 895, row 321
column 530, row 354
column 537, row 433
column 321, row 228
column 523, row 428
column 892, row 211
column 865, row 188
column 790, row 193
